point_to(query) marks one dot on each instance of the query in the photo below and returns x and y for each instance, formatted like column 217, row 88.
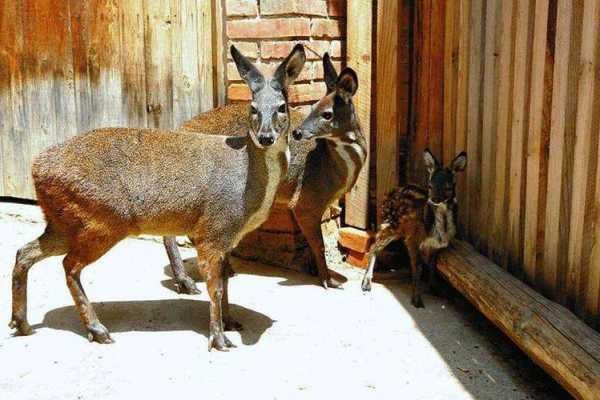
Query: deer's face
column 333, row 116
column 441, row 182
column 269, row 114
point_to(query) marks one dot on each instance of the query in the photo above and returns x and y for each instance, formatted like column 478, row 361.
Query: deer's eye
column 253, row 110
column 327, row 115
column 281, row 108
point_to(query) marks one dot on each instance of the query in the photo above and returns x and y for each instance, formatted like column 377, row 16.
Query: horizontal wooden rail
column 551, row 335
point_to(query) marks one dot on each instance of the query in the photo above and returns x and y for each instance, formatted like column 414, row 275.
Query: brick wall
column 266, row 31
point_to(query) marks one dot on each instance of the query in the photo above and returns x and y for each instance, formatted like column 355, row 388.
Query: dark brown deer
column 105, row 185
column 424, row 218
column 321, row 170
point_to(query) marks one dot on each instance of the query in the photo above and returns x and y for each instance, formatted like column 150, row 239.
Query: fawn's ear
column 431, row 163
column 289, row 69
column 249, row 73
column 459, row 163
column 329, row 73
column 347, row 84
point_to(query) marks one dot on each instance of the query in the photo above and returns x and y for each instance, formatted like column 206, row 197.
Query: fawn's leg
column 311, row 229
column 48, row 244
column 385, row 235
column 416, row 270
column 183, row 283
column 215, row 286
column 229, row 324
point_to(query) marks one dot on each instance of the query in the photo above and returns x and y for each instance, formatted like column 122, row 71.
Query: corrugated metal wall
column 73, row 65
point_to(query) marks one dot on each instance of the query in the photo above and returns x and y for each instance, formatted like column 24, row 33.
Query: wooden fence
column 522, row 97
column 71, row 66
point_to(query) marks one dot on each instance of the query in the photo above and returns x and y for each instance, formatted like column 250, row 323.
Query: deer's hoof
column 98, row 333
column 219, row 342
column 186, row 286
column 366, row 285
column 22, row 327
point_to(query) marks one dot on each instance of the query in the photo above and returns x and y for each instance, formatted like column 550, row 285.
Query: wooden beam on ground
column 359, row 54
column 550, row 334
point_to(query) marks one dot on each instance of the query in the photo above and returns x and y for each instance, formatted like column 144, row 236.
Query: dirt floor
column 300, row 341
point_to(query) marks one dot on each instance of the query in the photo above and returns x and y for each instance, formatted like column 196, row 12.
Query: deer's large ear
column 431, row 163
column 249, row 73
column 459, row 163
column 347, row 84
column 329, row 73
column 289, row 69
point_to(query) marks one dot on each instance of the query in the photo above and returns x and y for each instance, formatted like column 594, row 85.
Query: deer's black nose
column 296, row 134
column 266, row 140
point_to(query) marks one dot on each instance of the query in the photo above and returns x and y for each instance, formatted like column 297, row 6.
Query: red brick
column 244, row 8
column 328, row 28
column 336, row 8
column 308, row 72
column 305, row 92
column 355, row 239
column 249, row 49
column 268, row 28
column 318, row 74
column 307, row 7
column 238, row 92
column 280, row 49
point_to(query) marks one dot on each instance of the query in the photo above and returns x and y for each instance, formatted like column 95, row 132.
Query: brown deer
column 105, row 185
column 423, row 218
column 321, row 170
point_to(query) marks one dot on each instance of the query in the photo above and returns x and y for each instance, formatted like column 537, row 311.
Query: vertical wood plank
column 462, row 101
column 15, row 144
column 103, row 64
column 133, row 63
column 435, row 99
column 488, row 149
column 359, row 58
column 219, row 52
column 186, row 90
column 518, row 129
column 210, row 35
column 159, row 79
column 80, row 38
column 474, row 120
column 504, row 97
column 534, row 140
column 557, row 200
column 386, row 113
column 580, row 208
column 452, row 20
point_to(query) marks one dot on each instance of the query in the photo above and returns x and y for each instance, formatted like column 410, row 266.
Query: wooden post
column 359, row 54
column 550, row 334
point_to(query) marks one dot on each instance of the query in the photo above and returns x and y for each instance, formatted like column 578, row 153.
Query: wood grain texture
column 534, row 141
column 550, row 334
column 584, row 151
column 386, row 108
column 518, row 130
column 452, row 26
column 497, row 248
column 359, row 51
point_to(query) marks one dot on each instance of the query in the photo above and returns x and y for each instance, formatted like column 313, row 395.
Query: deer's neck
column 349, row 154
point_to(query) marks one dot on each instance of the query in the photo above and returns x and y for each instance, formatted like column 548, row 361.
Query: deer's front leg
column 215, row 285
column 183, row 283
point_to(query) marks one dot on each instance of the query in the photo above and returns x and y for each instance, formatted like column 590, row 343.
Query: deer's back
column 143, row 176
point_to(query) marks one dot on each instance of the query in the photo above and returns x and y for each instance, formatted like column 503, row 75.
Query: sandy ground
column 300, row 341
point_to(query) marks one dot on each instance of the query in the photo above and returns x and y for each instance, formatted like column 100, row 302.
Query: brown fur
column 426, row 227
column 317, row 175
column 104, row 185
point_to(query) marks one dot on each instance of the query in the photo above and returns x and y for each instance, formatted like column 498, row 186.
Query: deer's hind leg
column 50, row 243
column 88, row 247
column 416, row 269
column 385, row 235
